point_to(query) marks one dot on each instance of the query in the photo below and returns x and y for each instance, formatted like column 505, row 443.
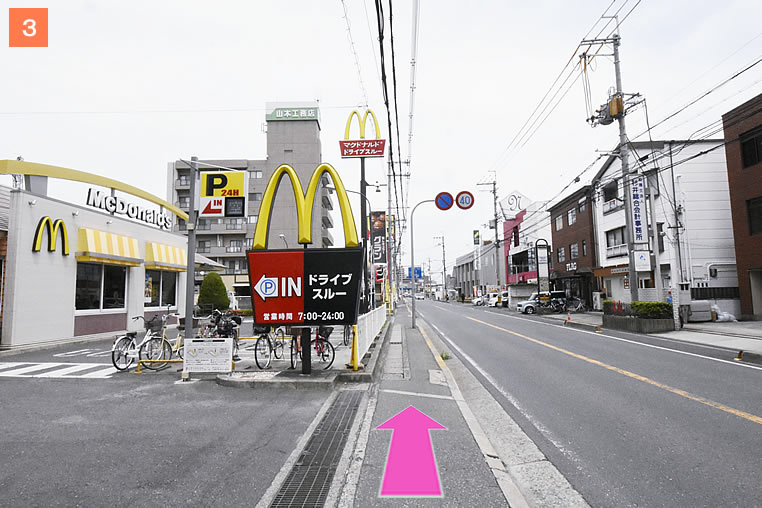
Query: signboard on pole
column 639, row 220
column 223, row 194
column 418, row 272
column 362, row 147
column 642, row 261
column 305, row 287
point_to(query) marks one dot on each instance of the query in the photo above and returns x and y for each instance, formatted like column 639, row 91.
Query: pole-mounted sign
column 464, row 200
column 362, row 147
column 443, row 201
column 223, row 194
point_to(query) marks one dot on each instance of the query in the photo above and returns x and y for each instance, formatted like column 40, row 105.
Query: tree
column 213, row 293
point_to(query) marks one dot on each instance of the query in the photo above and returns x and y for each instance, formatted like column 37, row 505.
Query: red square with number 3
column 28, row 28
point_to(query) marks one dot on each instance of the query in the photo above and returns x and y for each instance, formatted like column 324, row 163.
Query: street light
column 283, row 237
column 412, row 253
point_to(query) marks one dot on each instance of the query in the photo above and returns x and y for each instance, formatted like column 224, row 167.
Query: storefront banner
column 378, row 236
column 642, row 261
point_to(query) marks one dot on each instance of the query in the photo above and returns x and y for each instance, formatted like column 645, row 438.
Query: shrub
column 213, row 292
column 652, row 310
column 242, row 312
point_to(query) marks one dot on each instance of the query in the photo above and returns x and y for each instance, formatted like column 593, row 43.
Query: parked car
column 545, row 299
column 419, row 296
column 504, row 299
column 477, row 300
column 493, row 299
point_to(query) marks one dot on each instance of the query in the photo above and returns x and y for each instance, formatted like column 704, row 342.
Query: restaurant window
column 571, row 216
column 160, row 288
column 100, row 287
column 559, row 223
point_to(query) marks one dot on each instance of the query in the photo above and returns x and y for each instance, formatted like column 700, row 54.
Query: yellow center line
column 677, row 391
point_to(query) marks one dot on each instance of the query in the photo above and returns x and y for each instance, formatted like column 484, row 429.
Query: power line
column 354, row 52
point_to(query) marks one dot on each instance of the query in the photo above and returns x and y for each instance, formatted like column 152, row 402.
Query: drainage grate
column 309, row 480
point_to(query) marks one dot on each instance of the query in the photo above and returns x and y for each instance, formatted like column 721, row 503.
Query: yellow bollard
column 354, row 360
column 739, row 357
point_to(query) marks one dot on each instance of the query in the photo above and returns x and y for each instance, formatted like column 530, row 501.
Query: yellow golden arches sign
column 52, row 227
column 304, row 205
column 362, row 147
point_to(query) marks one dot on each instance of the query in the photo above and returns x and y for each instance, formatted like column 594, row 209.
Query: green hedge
column 652, row 310
column 645, row 310
column 213, row 292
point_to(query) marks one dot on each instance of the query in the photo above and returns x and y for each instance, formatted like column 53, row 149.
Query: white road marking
column 594, row 334
column 106, row 352
column 60, row 370
column 68, row 370
column 418, row 394
column 510, row 398
column 74, row 353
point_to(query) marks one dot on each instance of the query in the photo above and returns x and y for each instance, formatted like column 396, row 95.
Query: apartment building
column 293, row 138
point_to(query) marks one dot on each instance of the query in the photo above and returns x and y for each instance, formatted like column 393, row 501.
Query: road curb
column 377, row 350
column 318, row 380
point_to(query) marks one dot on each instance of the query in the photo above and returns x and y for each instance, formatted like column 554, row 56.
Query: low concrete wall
column 638, row 325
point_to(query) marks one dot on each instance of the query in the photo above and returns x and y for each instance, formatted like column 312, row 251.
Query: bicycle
column 223, row 325
column 322, row 348
column 126, row 350
column 575, row 305
column 347, row 335
column 270, row 343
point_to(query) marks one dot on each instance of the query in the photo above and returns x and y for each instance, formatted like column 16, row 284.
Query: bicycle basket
column 325, row 331
column 259, row 330
column 154, row 325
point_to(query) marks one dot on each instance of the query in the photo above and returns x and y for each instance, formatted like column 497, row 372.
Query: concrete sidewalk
column 482, row 456
column 743, row 336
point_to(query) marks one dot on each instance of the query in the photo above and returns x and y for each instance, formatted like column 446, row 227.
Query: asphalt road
column 140, row 439
column 628, row 424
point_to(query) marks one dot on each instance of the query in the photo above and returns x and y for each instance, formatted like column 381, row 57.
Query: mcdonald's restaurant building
column 70, row 270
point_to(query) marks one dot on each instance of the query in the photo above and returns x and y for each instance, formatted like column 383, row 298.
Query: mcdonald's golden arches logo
column 52, row 228
column 304, row 205
column 362, row 147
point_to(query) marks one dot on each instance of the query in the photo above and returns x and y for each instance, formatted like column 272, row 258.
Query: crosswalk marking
column 56, row 370
column 67, row 370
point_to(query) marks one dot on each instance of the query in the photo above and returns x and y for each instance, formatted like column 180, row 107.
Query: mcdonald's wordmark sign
column 362, row 147
column 223, row 194
column 305, row 287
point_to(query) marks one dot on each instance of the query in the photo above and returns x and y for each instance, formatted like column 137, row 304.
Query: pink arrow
column 411, row 469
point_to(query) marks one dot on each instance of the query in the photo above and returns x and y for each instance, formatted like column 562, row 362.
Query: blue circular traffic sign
column 444, row 200
column 464, row 200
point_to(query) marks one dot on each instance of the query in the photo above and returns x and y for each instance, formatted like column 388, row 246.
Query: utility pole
column 190, row 274
column 623, row 155
column 493, row 183
column 444, row 265
column 615, row 109
column 389, row 183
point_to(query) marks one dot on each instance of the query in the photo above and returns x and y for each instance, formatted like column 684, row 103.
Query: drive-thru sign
column 305, row 287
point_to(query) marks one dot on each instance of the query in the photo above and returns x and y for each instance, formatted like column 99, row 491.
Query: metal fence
column 368, row 326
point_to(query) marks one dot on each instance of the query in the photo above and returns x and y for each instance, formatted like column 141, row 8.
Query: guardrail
column 368, row 326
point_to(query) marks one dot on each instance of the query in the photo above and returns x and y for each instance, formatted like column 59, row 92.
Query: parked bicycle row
column 155, row 350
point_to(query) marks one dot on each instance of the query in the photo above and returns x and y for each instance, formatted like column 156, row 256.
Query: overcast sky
column 125, row 87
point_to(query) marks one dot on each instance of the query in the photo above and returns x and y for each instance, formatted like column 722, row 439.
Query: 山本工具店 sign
column 115, row 204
